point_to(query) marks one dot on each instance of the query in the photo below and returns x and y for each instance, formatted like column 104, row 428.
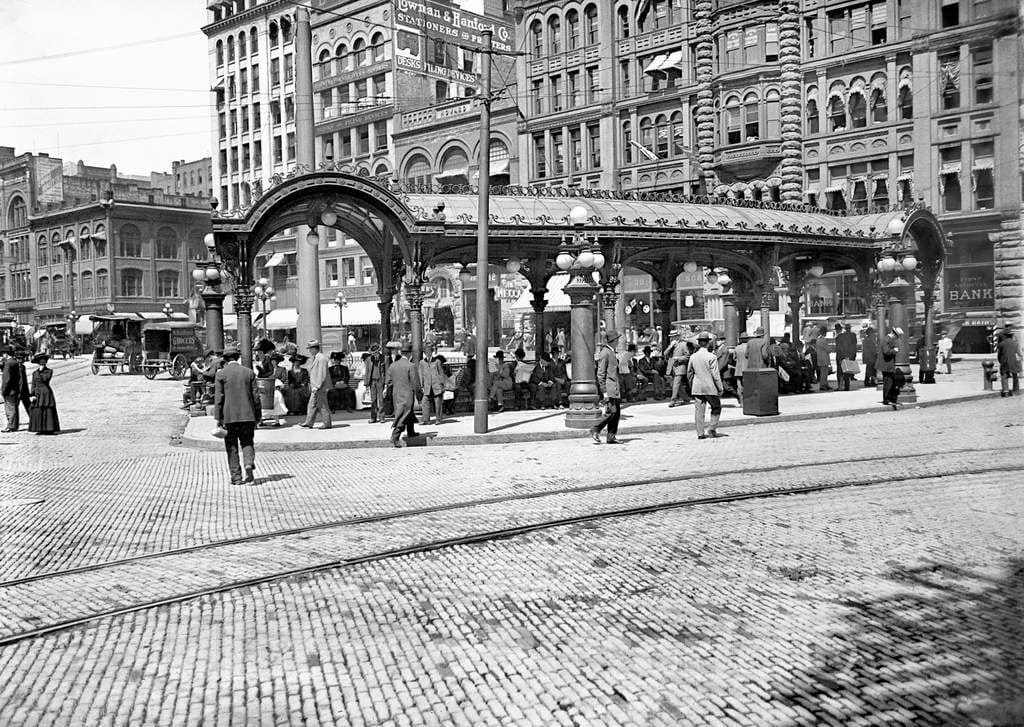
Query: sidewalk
column 353, row 430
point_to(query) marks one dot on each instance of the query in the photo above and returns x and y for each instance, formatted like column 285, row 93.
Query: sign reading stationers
column 452, row 24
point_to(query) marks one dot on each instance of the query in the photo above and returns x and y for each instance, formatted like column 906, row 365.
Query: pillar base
column 582, row 415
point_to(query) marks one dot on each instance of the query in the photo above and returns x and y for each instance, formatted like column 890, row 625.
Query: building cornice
column 244, row 17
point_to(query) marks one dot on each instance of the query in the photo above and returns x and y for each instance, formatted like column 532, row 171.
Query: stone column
column 583, row 394
column 539, row 303
column 414, row 298
column 898, row 294
column 213, row 300
column 307, row 256
column 732, row 334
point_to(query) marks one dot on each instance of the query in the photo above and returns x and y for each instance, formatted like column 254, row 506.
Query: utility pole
column 480, row 401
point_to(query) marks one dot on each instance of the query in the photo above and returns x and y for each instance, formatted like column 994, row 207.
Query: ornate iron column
column 583, row 393
column 414, row 298
column 765, row 301
column 927, row 359
column 664, row 299
column 209, row 276
column 732, row 334
column 609, row 301
column 899, row 291
column 244, row 297
column 539, row 303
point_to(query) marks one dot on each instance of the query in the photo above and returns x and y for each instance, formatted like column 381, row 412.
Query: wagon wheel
column 149, row 371
column 113, row 369
column 179, row 367
column 95, row 370
column 134, row 363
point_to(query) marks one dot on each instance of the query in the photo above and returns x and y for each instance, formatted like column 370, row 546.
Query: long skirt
column 43, row 419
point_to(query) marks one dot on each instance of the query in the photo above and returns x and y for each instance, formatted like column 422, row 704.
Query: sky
column 67, row 89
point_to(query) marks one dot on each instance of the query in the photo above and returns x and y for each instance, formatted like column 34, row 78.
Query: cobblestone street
column 860, row 570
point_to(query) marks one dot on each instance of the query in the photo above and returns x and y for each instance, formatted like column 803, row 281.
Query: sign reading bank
column 438, row 20
column 970, row 287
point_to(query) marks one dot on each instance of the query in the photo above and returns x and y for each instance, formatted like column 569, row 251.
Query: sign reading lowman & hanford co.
column 439, row 20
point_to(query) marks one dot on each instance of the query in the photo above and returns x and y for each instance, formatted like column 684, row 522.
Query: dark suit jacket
column 406, row 387
column 236, row 396
column 11, row 385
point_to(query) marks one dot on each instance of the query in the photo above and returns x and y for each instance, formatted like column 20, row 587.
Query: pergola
column 404, row 231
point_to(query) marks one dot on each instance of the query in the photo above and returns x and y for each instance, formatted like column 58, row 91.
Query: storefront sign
column 418, row 65
column 969, row 288
column 437, row 20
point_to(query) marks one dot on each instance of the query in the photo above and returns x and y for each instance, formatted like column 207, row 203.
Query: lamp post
column 894, row 261
column 208, row 276
column 341, row 301
column 72, row 319
column 581, row 257
column 264, row 293
column 168, row 310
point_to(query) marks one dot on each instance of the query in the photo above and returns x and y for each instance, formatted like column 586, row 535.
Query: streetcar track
column 483, row 537
column 461, row 505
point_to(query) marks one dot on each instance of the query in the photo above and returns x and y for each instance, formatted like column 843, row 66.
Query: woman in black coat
column 42, row 416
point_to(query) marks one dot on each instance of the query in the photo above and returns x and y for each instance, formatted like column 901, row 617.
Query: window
column 57, row 289
column 624, row 77
column 131, row 241
column 377, row 47
column 556, row 93
column 572, row 22
column 272, row 32
column 99, row 242
column 331, row 273
column 257, row 154
column 275, row 73
column 572, row 91
column 220, row 53
column 167, row 246
column 167, row 284
column 289, row 109
column 232, row 89
column 537, row 37
column 733, row 133
column 291, row 146
column 906, row 100
column 647, row 139
column 257, row 123
column 363, row 139
column 594, row 143
column 539, row 156
column 56, row 254
column 858, row 110
column 554, row 34
column 557, row 153
column 233, row 116
column 17, row 213
column 441, row 90
column 575, row 150
column 590, row 14
column 42, row 251
column 359, row 52
column 592, row 84
column 286, row 30
column 949, row 79
column 379, row 85
column 44, row 290
column 243, row 81
column 275, row 112
column 949, row 178
column 278, row 150
column 982, row 182
column 771, row 43
column 772, row 108
column 346, row 143
column 627, row 143
column 289, row 68
column 255, row 79
column 859, row 199
column 879, row 107
column 86, row 289
column 245, row 124
column 981, row 66
column 131, row 283
column 880, row 197
column 536, row 94
column 84, row 244
column 254, row 43
column 836, row 112
column 839, row 32
column 950, row 14
column 231, row 50
column 367, row 271
column 623, row 25
column 417, row 173
column 380, row 135
column 241, row 45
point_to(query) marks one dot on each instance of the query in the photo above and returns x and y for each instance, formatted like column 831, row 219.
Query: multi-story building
column 92, row 241
column 843, row 105
column 193, row 179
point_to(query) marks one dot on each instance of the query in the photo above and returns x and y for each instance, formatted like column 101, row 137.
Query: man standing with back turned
column 237, row 408
column 705, row 385
column 319, row 383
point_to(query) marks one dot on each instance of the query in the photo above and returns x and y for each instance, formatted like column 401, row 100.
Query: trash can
column 266, row 389
column 761, row 392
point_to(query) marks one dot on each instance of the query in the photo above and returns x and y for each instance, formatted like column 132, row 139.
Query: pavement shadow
column 267, row 479
column 72, row 431
column 944, row 646
column 512, row 425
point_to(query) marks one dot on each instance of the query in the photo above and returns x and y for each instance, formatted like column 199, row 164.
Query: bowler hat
column 40, row 358
column 703, row 336
column 374, row 348
column 611, row 336
column 406, row 346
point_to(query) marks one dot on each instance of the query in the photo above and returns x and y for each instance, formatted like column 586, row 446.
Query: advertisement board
column 48, row 179
column 448, row 22
column 970, row 288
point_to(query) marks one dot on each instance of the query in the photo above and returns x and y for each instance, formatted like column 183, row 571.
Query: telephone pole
column 481, row 400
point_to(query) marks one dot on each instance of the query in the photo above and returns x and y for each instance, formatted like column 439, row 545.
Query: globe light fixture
column 909, row 263
column 465, row 276
column 199, row 275
column 212, row 274
column 585, row 259
column 598, row 258
column 513, row 265
column 329, row 217
column 210, row 241
column 724, row 279
column 313, row 239
column 816, row 271
column 578, row 215
column 564, row 260
column 690, row 267
column 895, row 227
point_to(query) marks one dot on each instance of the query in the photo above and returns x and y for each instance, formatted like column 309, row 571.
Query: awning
column 949, row 169
column 878, row 82
column 906, row 81
column 774, row 181
column 812, row 95
column 454, row 172
column 281, row 319
column 276, row 259
column 812, row 189
column 499, row 167
column 841, row 187
column 656, row 64
column 155, row 316
column 906, row 176
column 231, row 322
column 357, row 313
column 982, row 164
column 674, row 60
column 98, row 236
column 83, row 327
column 218, row 85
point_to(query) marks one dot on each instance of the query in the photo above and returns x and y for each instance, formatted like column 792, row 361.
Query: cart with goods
column 169, row 346
column 60, row 341
column 116, row 343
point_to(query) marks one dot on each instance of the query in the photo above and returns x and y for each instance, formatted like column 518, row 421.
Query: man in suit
column 608, row 382
column 846, row 350
column 406, row 389
column 373, row 380
column 319, row 383
column 237, row 408
column 10, row 387
column 706, row 385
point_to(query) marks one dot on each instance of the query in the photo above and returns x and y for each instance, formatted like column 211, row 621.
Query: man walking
column 608, row 383
column 1009, row 357
column 846, row 350
column 10, row 387
column 741, row 364
column 705, row 385
column 319, row 382
column 373, row 380
column 236, row 405
column 405, row 391
column 821, row 354
column 869, row 355
column 678, row 357
column 946, row 351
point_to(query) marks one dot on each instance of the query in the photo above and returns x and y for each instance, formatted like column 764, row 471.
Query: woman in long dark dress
column 296, row 394
column 42, row 417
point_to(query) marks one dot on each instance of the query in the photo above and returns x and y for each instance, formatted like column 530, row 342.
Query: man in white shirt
column 319, row 383
column 946, row 351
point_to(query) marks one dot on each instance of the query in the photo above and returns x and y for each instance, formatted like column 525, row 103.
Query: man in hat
column 1009, row 357
column 821, row 355
column 846, row 350
column 706, row 386
column 741, row 363
column 608, row 384
column 759, row 352
column 340, row 395
column 373, row 380
column 236, row 404
column 501, row 381
column 678, row 355
column 10, row 387
column 887, row 351
column 319, row 382
column 945, row 351
column 405, row 391
column 869, row 355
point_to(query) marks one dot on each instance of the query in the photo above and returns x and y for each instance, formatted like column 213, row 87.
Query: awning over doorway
column 281, row 319
column 357, row 313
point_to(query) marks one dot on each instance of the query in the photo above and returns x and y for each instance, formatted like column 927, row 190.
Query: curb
column 478, row 439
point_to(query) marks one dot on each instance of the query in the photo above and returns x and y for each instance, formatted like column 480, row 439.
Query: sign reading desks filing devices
column 438, row 20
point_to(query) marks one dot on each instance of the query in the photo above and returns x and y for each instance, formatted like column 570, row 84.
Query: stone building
column 193, row 179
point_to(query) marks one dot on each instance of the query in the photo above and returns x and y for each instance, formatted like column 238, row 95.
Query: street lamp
column 895, row 260
column 208, row 277
column 264, row 293
column 341, row 301
column 582, row 258
column 168, row 310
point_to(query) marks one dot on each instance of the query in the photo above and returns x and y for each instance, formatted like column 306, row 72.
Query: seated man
column 560, row 375
column 523, row 372
column 647, row 372
column 542, row 383
column 627, row 373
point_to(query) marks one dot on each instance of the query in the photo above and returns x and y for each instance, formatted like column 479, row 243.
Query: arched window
column 86, row 290
column 836, row 111
column 220, row 52
column 286, row 31
column 627, row 142
column 858, row 110
column 84, row 243
column 43, row 251
column 167, row 246
column 17, row 214
column 772, row 114
column 661, row 134
column 906, row 95
column 572, row 30
column 498, row 156
column 647, row 138
column 622, row 27
column 382, row 172
column 131, row 283
column 877, row 100
column 417, row 171
column 733, row 132
column 359, row 52
column 241, row 45
column 537, row 38
column 341, row 59
column 57, row 289
column 167, row 284
column 555, row 34
column 254, row 42
column 231, row 49
column 56, row 255
column 130, row 241
column 811, row 110
column 590, row 25
column 454, row 167
column 751, row 118
column 195, row 245
column 102, row 283
column 323, row 65
column 377, row 47
column 44, row 290
column 99, row 241
column 272, row 32
column 678, row 134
